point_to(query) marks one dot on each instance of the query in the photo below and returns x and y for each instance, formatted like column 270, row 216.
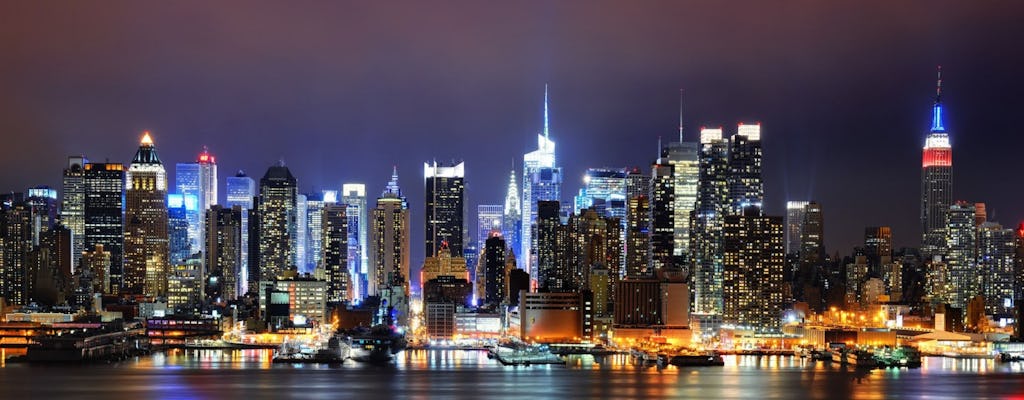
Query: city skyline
column 877, row 111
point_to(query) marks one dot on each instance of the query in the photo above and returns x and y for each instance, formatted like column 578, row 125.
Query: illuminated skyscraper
column 961, row 247
column 997, row 249
column 754, row 260
column 301, row 234
column 335, row 252
column 223, row 252
column 241, row 190
column 707, row 222
column 353, row 195
column 662, row 214
column 197, row 180
column 812, row 235
column 638, row 237
column 488, row 218
column 104, row 215
column 445, row 208
column 72, row 212
column 542, row 181
column 512, row 220
column 276, row 213
column 314, row 228
column 145, row 229
column 746, row 187
column 495, row 278
column 685, row 160
column 16, row 224
column 936, row 181
column 794, row 225
column 179, row 246
column 553, row 269
column 390, row 238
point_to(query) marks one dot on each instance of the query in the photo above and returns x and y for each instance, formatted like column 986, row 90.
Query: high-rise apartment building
column 707, row 219
column 753, row 264
column 241, row 190
column 746, row 187
column 961, row 247
column 662, row 214
column 223, row 252
column 335, row 252
column 104, row 215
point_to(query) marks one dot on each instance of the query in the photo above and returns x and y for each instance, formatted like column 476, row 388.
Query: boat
column 861, row 358
column 379, row 344
column 337, row 350
column 697, row 360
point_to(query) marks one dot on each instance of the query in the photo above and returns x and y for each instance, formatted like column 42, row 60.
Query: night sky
column 343, row 91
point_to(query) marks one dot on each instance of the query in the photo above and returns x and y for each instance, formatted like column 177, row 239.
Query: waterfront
column 198, row 374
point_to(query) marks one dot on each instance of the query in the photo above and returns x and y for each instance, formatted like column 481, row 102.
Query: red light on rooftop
column 938, row 157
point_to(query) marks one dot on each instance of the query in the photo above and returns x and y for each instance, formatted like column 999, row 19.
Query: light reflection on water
column 454, row 373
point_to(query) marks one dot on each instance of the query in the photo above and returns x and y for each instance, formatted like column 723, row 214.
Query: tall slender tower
column 145, row 229
column 706, row 225
column 685, row 160
column 936, row 180
column 512, row 220
column 104, row 217
column 746, row 187
column 353, row 195
column 542, row 181
column 662, row 214
column 389, row 238
column 241, row 190
column 72, row 212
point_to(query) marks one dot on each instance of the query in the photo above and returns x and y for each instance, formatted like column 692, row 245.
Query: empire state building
column 936, row 181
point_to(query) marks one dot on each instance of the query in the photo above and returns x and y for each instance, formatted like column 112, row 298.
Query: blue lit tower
column 542, row 181
column 489, row 218
column 241, row 190
column 353, row 195
column 707, row 223
column 936, row 181
column 197, row 180
column 512, row 221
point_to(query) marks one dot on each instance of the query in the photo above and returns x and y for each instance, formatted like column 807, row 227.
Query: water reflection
column 423, row 374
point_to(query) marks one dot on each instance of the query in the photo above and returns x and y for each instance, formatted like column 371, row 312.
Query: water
column 248, row 374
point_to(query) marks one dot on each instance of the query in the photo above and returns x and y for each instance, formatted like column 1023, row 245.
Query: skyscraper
column 145, row 230
column 353, row 195
column 445, row 208
column 877, row 245
column 542, row 181
column 685, row 160
column 512, row 220
column 72, row 213
column 746, row 187
column 241, row 190
column 390, row 238
column 662, row 214
column 223, row 252
column 314, row 227
column 638, row 237
column 936, row 181
column 961, row 247
column 707, row 222
column 495, row 280
column 754, row 259
column 178, row 244
column 997, row 249
column 794, row 224
column 198, row 180
column 488, row 218
column 15, row 246
column 104, row 215
column 276, row 212
column 335, row 252
column 301, row 234
column 553, row 273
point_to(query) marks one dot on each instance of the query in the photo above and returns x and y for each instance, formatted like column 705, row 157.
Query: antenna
column 680, row 115
column 938, row 85
column 546, row 111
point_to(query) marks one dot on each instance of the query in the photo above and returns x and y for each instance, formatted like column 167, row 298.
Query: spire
column 147, row 151
column 546, row 126
column 937, row 108
column 146, row 139
column 680, row 115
